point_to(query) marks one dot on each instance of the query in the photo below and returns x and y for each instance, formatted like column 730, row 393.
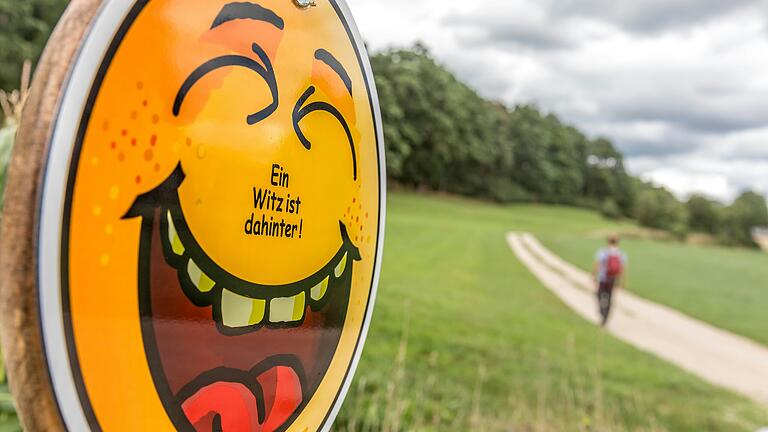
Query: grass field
column 724, row 287
column 464, row 338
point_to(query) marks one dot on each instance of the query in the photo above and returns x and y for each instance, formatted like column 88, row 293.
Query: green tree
column 748, row 211
column 705, row 215
column 658, row 208
column 566, row 153
column 24, row 29
column 606, row 177
column 610, row 209
column 440, row 134
column 532, row 169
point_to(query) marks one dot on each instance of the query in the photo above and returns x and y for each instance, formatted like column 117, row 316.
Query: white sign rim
column 68, row 117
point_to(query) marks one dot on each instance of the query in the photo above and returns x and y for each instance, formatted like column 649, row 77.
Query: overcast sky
column 681, row 86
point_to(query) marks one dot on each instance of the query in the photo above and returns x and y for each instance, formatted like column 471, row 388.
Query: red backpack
column 613, row 265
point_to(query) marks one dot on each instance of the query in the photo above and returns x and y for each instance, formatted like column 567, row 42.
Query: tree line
column 441, row 135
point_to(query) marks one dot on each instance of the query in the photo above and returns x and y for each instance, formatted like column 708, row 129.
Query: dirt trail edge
column 715, row 355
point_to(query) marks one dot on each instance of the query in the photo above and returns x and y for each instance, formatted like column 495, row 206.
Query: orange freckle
column 357, row 219
column 121, row 157
column 113, row 145
column 138, row 179
column 145, row 102
column 139, row 85
column 153, row 140
column 189, row 142
column 124, row 132
column 349, row 209
column 354, row 200
column 133, row 142
column 157, row 167
column 366, row 215
column 105, row 126
column 134, row 115
column 155, row 119
column 148, row 155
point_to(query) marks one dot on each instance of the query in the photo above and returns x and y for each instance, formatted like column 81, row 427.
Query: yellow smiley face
column 222, row 218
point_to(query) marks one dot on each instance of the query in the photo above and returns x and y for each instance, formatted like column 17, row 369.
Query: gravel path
column 717, row 356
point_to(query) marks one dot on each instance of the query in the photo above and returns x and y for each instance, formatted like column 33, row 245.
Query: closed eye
column 266, row 71
column 300, row 111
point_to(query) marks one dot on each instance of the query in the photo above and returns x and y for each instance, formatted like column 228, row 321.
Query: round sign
column 210, row 217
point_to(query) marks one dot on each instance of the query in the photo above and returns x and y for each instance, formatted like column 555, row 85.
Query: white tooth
column 318, row 291
column 173, row 236
column 287, row 309
column 199, row 278
column 339, row 270
column 238, row 311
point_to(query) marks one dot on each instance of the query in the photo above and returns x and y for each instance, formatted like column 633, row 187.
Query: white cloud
column 650, row 16
column 717, row 178
column 681, row 86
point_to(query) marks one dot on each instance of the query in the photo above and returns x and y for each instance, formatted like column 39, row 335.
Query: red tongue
column 232, row 407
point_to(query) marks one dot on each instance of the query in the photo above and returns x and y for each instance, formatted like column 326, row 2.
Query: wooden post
column 19, row 321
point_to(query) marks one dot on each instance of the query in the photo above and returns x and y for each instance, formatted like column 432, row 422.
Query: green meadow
column 464, row 338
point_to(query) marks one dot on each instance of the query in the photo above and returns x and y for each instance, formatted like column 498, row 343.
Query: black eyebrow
column 245, row 10
column 266, row 71
column 300, row 111
column 328, row 58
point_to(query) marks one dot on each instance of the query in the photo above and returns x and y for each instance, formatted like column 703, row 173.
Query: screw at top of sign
column 304, row 3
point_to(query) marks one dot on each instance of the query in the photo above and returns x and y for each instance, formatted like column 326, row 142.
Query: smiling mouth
column 211, row 336
column 240, row 306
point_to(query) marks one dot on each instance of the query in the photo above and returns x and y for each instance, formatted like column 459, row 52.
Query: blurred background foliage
column 24, row 29
column 442, row 136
